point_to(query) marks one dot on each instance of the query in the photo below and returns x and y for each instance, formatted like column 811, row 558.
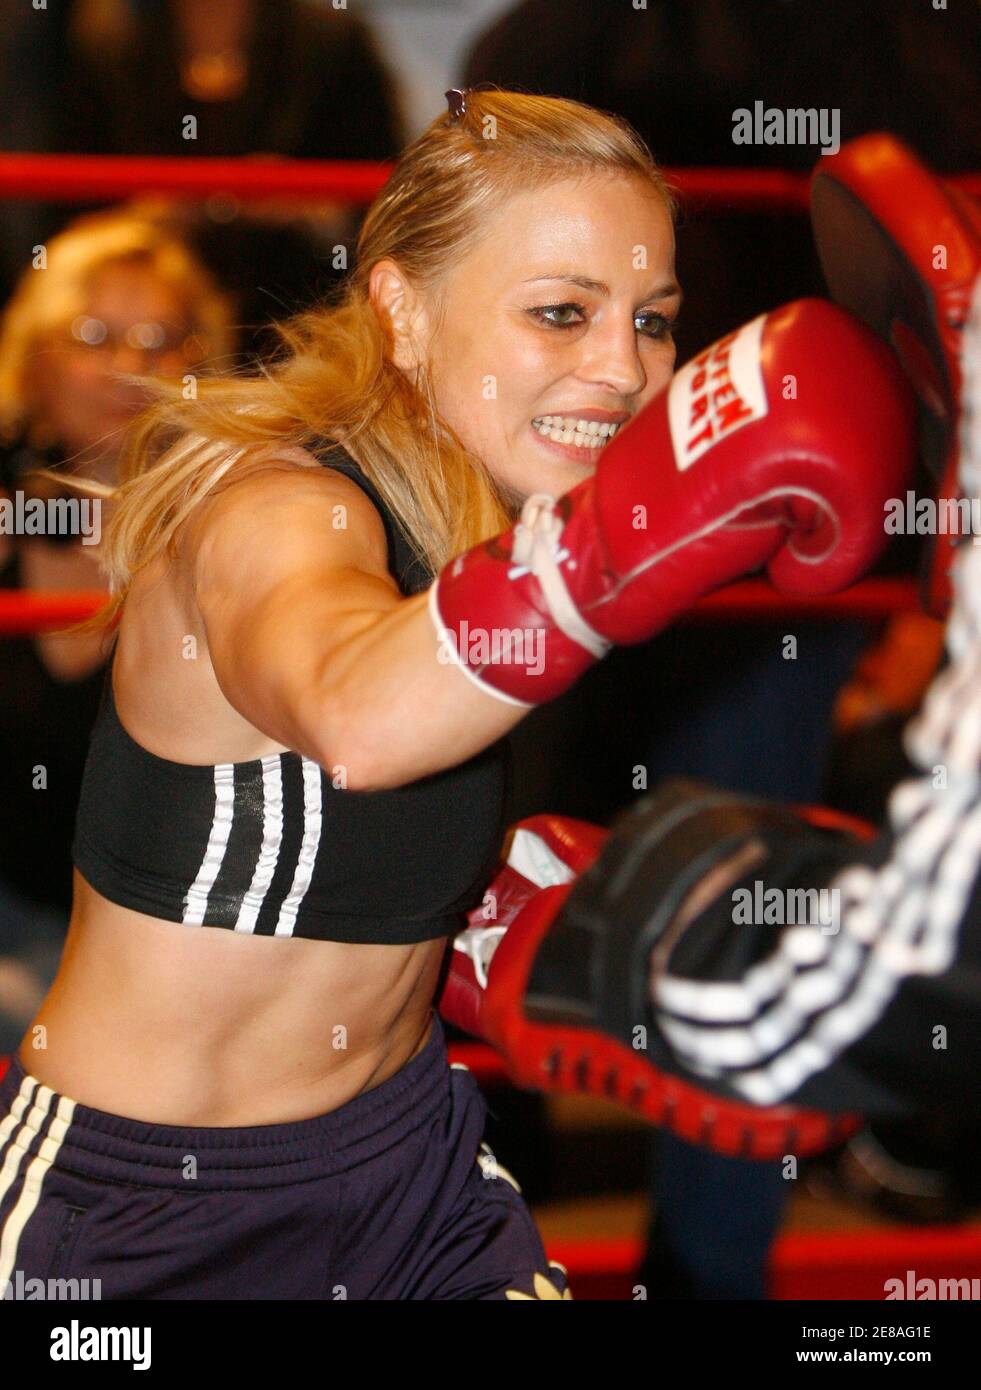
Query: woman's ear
column 401, row 310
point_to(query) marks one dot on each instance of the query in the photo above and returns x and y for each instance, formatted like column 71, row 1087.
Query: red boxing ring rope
column 81, row 178
column 23, row 611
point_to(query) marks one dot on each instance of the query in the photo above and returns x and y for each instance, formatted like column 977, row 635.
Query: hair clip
column 456, row 100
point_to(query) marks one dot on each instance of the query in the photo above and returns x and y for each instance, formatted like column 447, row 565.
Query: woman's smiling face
column 553, row 330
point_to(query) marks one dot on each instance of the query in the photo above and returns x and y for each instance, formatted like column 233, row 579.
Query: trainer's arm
column 311, row 640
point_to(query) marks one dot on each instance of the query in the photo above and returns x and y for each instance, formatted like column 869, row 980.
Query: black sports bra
column 271, row 846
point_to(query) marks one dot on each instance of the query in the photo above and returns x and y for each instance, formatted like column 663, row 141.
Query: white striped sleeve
column 795, row 1011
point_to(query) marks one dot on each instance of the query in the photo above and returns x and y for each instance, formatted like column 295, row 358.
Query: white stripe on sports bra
column 312, row 823
column 196, row 898
column 272, row 840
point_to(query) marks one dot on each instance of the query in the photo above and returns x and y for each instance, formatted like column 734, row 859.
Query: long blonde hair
column 334, row 376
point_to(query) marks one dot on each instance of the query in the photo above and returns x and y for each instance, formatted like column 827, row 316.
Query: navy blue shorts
column 392, row 1196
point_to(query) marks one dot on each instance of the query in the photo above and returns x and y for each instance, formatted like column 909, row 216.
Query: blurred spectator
column 278, row 76
column 120, row 293
column 271, row 77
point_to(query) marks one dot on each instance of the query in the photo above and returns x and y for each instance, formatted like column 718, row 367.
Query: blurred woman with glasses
column 116, row 292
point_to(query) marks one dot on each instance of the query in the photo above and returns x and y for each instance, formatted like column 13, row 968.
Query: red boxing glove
column 778, row 446
column 486, row 994
column 540, row 852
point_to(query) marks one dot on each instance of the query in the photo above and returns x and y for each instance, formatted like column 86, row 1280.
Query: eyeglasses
column 151, row 338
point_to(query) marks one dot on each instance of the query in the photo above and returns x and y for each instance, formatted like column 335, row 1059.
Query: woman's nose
column 612, row 359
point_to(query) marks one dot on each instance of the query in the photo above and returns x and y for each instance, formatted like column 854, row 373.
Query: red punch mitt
column 543, row 1002
column 901, row 250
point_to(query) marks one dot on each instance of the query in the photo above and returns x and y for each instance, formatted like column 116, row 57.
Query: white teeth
column 585, row 434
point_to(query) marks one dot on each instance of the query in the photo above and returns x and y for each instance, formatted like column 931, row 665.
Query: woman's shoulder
column 276, row 497
column 405, row 565
column 315, row 452
column 313, row 464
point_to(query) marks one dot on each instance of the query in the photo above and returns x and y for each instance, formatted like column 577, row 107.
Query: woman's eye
column 652, row 325
column 561, row 311
column 655, row 325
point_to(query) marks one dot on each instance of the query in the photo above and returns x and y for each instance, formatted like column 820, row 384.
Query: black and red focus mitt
column 559, row 969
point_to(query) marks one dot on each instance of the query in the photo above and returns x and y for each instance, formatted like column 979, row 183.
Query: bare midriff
column 203, row 1026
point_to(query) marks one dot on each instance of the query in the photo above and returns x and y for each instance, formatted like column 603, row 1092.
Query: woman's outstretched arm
column 313, row 644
